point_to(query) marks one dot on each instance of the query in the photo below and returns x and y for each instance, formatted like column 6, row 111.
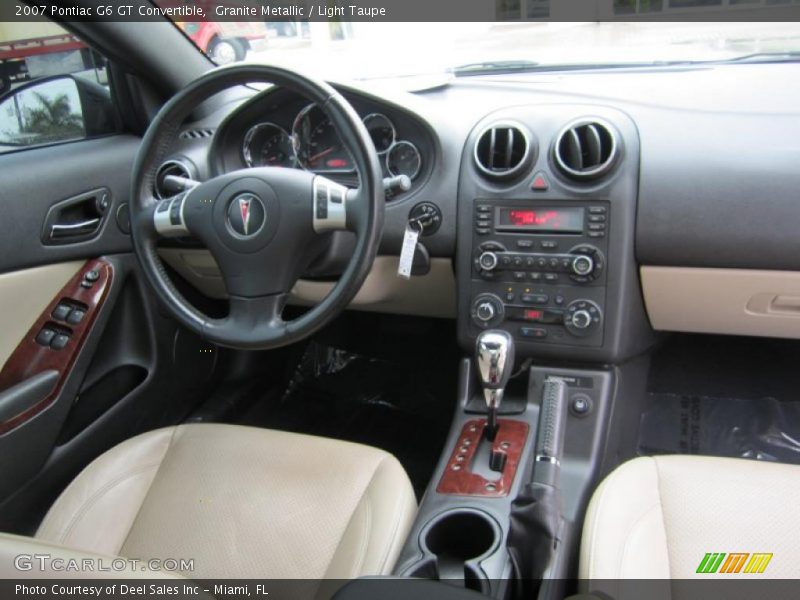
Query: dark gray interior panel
column 35, row 180
column 719, row 189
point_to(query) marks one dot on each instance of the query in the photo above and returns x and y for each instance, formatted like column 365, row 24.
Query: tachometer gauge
column 381, row 130
column 268, row 145
column 403, row 158
column 317, row 145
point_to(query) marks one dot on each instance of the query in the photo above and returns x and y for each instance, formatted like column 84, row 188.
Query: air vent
column 193, row 134
column 502, row 151
column 586, row 150
column 170, row 167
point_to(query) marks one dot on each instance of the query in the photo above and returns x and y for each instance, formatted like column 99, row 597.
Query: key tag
column 413, row 229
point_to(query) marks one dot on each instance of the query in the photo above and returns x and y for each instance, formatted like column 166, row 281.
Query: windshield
column 358, row 50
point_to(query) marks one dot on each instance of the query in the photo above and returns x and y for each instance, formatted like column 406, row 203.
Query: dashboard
column 580, row 211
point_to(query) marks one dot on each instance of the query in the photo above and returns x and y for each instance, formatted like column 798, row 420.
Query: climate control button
column 487, row 310
column 582, row 318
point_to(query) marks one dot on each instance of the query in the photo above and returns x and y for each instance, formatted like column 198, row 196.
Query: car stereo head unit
column 539, row 219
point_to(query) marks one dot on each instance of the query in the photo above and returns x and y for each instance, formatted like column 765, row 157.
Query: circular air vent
column 170, row 167
column 503, row 150
column 586, row 149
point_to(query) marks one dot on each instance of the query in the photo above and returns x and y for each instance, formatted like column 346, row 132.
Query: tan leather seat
column 658, row 518
column 241, row 502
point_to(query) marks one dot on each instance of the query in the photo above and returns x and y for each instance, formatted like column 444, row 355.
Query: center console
column 545, row 236
column 545, row 270
column 539, row 269
column 464, row 533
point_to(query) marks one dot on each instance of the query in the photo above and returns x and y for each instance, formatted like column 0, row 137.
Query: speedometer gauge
column 381, row 130
column 317, row 144
column 268, row 145
column 403, row 158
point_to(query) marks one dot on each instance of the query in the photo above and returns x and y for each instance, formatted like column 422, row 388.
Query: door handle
column 59, row 231
column 77, row 219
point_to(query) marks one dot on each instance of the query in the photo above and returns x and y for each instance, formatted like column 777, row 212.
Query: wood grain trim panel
column 458, row 477
column 30, row 357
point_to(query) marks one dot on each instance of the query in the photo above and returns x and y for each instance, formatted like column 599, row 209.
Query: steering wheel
column 262, row 225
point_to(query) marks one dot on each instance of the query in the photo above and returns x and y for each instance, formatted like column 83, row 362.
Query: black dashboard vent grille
column 586, row 150
column 170, row 167
column 193, row 134
column 502, row 151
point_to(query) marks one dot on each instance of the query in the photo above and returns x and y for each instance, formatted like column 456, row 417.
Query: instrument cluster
column 312, row 143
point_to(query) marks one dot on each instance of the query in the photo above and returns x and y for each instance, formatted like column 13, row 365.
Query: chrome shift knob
column 494, row 353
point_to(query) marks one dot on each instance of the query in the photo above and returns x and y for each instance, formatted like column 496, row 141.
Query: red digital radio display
column 545, row 220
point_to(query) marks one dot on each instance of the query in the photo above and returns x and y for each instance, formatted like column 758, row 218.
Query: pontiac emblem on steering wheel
column 246, row 214
column 244, row 209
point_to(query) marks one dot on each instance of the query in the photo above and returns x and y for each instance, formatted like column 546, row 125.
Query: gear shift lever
column 494, row 353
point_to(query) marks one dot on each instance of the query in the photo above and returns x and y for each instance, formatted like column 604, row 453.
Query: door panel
column 127, row 367
column 56, row 339
column 24, row 295
column 35, row 180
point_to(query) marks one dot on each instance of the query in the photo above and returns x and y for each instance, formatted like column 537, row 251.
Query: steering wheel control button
column 246, row 215
column 175, row 211
column 45, row 336
column 321, row 202
column 168, row 217
column 330, row 205
column 59, row 342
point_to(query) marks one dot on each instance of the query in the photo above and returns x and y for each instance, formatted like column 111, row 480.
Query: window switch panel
column 76, row 316
column 59, row 341
column 45, row 336
column 62, row 312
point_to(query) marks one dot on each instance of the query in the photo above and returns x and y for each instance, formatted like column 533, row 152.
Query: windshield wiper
column 494, row 66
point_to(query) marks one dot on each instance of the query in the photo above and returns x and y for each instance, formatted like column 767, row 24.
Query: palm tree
column 54, row 119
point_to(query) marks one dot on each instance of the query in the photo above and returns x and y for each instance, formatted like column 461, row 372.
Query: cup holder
column 454, row 543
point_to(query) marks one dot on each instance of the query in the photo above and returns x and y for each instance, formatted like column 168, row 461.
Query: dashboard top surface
column 714, row 141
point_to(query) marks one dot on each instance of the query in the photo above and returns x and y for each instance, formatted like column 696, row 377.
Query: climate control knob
column 583, row 318
column 582, row 264
column 487, row 310
column 487, row 261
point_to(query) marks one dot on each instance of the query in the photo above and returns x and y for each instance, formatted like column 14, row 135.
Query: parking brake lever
column 550, row 435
